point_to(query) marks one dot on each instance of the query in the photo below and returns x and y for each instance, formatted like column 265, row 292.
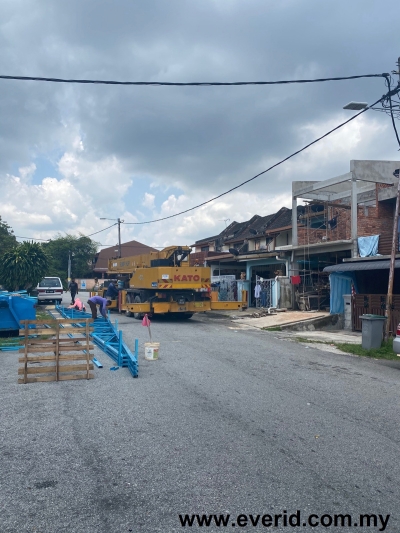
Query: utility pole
column 119, row 238
column 389, row 298
column 119, row 222
column 69, row 267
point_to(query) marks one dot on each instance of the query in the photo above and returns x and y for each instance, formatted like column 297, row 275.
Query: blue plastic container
column 15, row 307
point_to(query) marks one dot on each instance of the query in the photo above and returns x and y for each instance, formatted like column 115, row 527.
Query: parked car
column 49, row 290
column 396, row 341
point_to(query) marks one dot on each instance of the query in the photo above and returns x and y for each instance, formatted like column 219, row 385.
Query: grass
column 384, row 352
column 6, row 342
column 273, row 328
column 41, row 314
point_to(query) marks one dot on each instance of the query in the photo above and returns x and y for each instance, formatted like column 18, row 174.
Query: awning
column 364, row 265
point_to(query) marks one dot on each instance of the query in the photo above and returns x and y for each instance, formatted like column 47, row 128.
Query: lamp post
column 69, row 267
column 119, row 221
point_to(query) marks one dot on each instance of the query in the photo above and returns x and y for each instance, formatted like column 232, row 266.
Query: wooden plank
column 52, row 358
column 32, row 342
column 43, row 331
column 87, row 350
column 60, row 321
column 53, row 369
column 64, row 348
column 26, row 355
column 66, row 377
column 57, row 352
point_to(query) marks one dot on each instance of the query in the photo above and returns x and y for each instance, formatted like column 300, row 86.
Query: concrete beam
column 388, row 193
column 347, row 194
column 370, row 170
column 316, row 186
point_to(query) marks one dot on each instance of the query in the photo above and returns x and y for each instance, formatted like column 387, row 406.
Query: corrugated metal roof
column 365, row 265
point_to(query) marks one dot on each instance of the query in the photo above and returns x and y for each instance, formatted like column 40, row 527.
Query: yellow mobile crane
column 163, row 282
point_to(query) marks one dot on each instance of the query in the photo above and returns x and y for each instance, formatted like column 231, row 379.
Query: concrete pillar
column 295, row 239
column 354, row 247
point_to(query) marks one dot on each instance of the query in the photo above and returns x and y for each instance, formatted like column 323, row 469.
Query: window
column 317, row 222
column 257, row 244
column 50, row 282
column 205, row 248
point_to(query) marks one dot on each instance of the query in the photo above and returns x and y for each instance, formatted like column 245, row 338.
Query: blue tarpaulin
column 368, row 246
column 340, row 284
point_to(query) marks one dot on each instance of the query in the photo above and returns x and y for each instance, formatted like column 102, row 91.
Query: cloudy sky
column 71, row 154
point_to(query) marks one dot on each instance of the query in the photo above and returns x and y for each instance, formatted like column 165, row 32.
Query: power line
column 96, row 232
column 390, row 94
column 187, row 84
column 81, row 236
column 264, row 171
column 31, row 238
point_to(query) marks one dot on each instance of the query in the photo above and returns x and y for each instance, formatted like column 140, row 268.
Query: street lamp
column 356, row 106
column 69, row 265
column 119, row 221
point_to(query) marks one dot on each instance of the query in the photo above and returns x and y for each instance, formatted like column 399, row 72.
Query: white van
column 50, row 289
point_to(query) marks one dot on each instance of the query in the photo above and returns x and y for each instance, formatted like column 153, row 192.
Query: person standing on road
column 103, row 303
column 73, row 288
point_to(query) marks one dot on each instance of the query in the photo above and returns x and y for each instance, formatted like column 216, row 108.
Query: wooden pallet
column 53, row 355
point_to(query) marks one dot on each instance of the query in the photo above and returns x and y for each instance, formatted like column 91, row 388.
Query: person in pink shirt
column 78, row 305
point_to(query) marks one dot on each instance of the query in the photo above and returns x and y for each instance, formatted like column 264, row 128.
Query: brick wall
column 370, row 221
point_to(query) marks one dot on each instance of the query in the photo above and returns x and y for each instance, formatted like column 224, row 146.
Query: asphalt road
column 226, row 421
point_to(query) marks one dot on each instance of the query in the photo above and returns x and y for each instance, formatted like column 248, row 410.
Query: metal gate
column 266, row 298
column 374, row 304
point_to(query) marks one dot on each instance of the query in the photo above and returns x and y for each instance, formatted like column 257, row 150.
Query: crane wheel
column 129, row 313
column 138, row 316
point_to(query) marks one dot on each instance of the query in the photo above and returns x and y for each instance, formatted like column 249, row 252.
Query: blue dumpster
column 15, row 307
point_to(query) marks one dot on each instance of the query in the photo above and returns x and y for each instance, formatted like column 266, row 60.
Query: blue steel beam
column 108, row 339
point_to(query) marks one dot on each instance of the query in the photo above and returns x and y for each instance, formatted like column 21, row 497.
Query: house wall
column 371, row 220
column 284, row 238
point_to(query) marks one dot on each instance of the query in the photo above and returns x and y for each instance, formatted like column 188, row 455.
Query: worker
column 112, row 291
column 78, row 306
column 103, row 303
column 73, row 288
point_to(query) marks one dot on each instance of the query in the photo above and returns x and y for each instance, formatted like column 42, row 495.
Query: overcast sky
column 71, row 154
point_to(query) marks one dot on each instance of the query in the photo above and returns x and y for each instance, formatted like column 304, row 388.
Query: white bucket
column 151, row 350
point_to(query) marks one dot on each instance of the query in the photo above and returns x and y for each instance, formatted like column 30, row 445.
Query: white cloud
column 202, row 141
column 148, row 200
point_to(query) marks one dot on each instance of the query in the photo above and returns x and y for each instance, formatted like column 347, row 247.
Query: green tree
column 82, row 250
column 7, row 238
column 23, row 266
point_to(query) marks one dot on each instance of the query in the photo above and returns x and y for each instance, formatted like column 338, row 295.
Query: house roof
column 127, row 249
column 257, row 226
column 370, row 265
column 206, row 240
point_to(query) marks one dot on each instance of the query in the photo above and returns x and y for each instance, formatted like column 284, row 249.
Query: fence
column 226, row 289
column 52, row 353
column 374, row 304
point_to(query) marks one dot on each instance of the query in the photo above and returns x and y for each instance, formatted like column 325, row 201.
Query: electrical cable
column 395, row 91
column 96, row 232
column 48, row 240
column 264, row 171
column 31, row 238
column 187, row 84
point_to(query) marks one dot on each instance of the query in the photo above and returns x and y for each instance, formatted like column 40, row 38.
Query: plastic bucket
column 151, row 350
